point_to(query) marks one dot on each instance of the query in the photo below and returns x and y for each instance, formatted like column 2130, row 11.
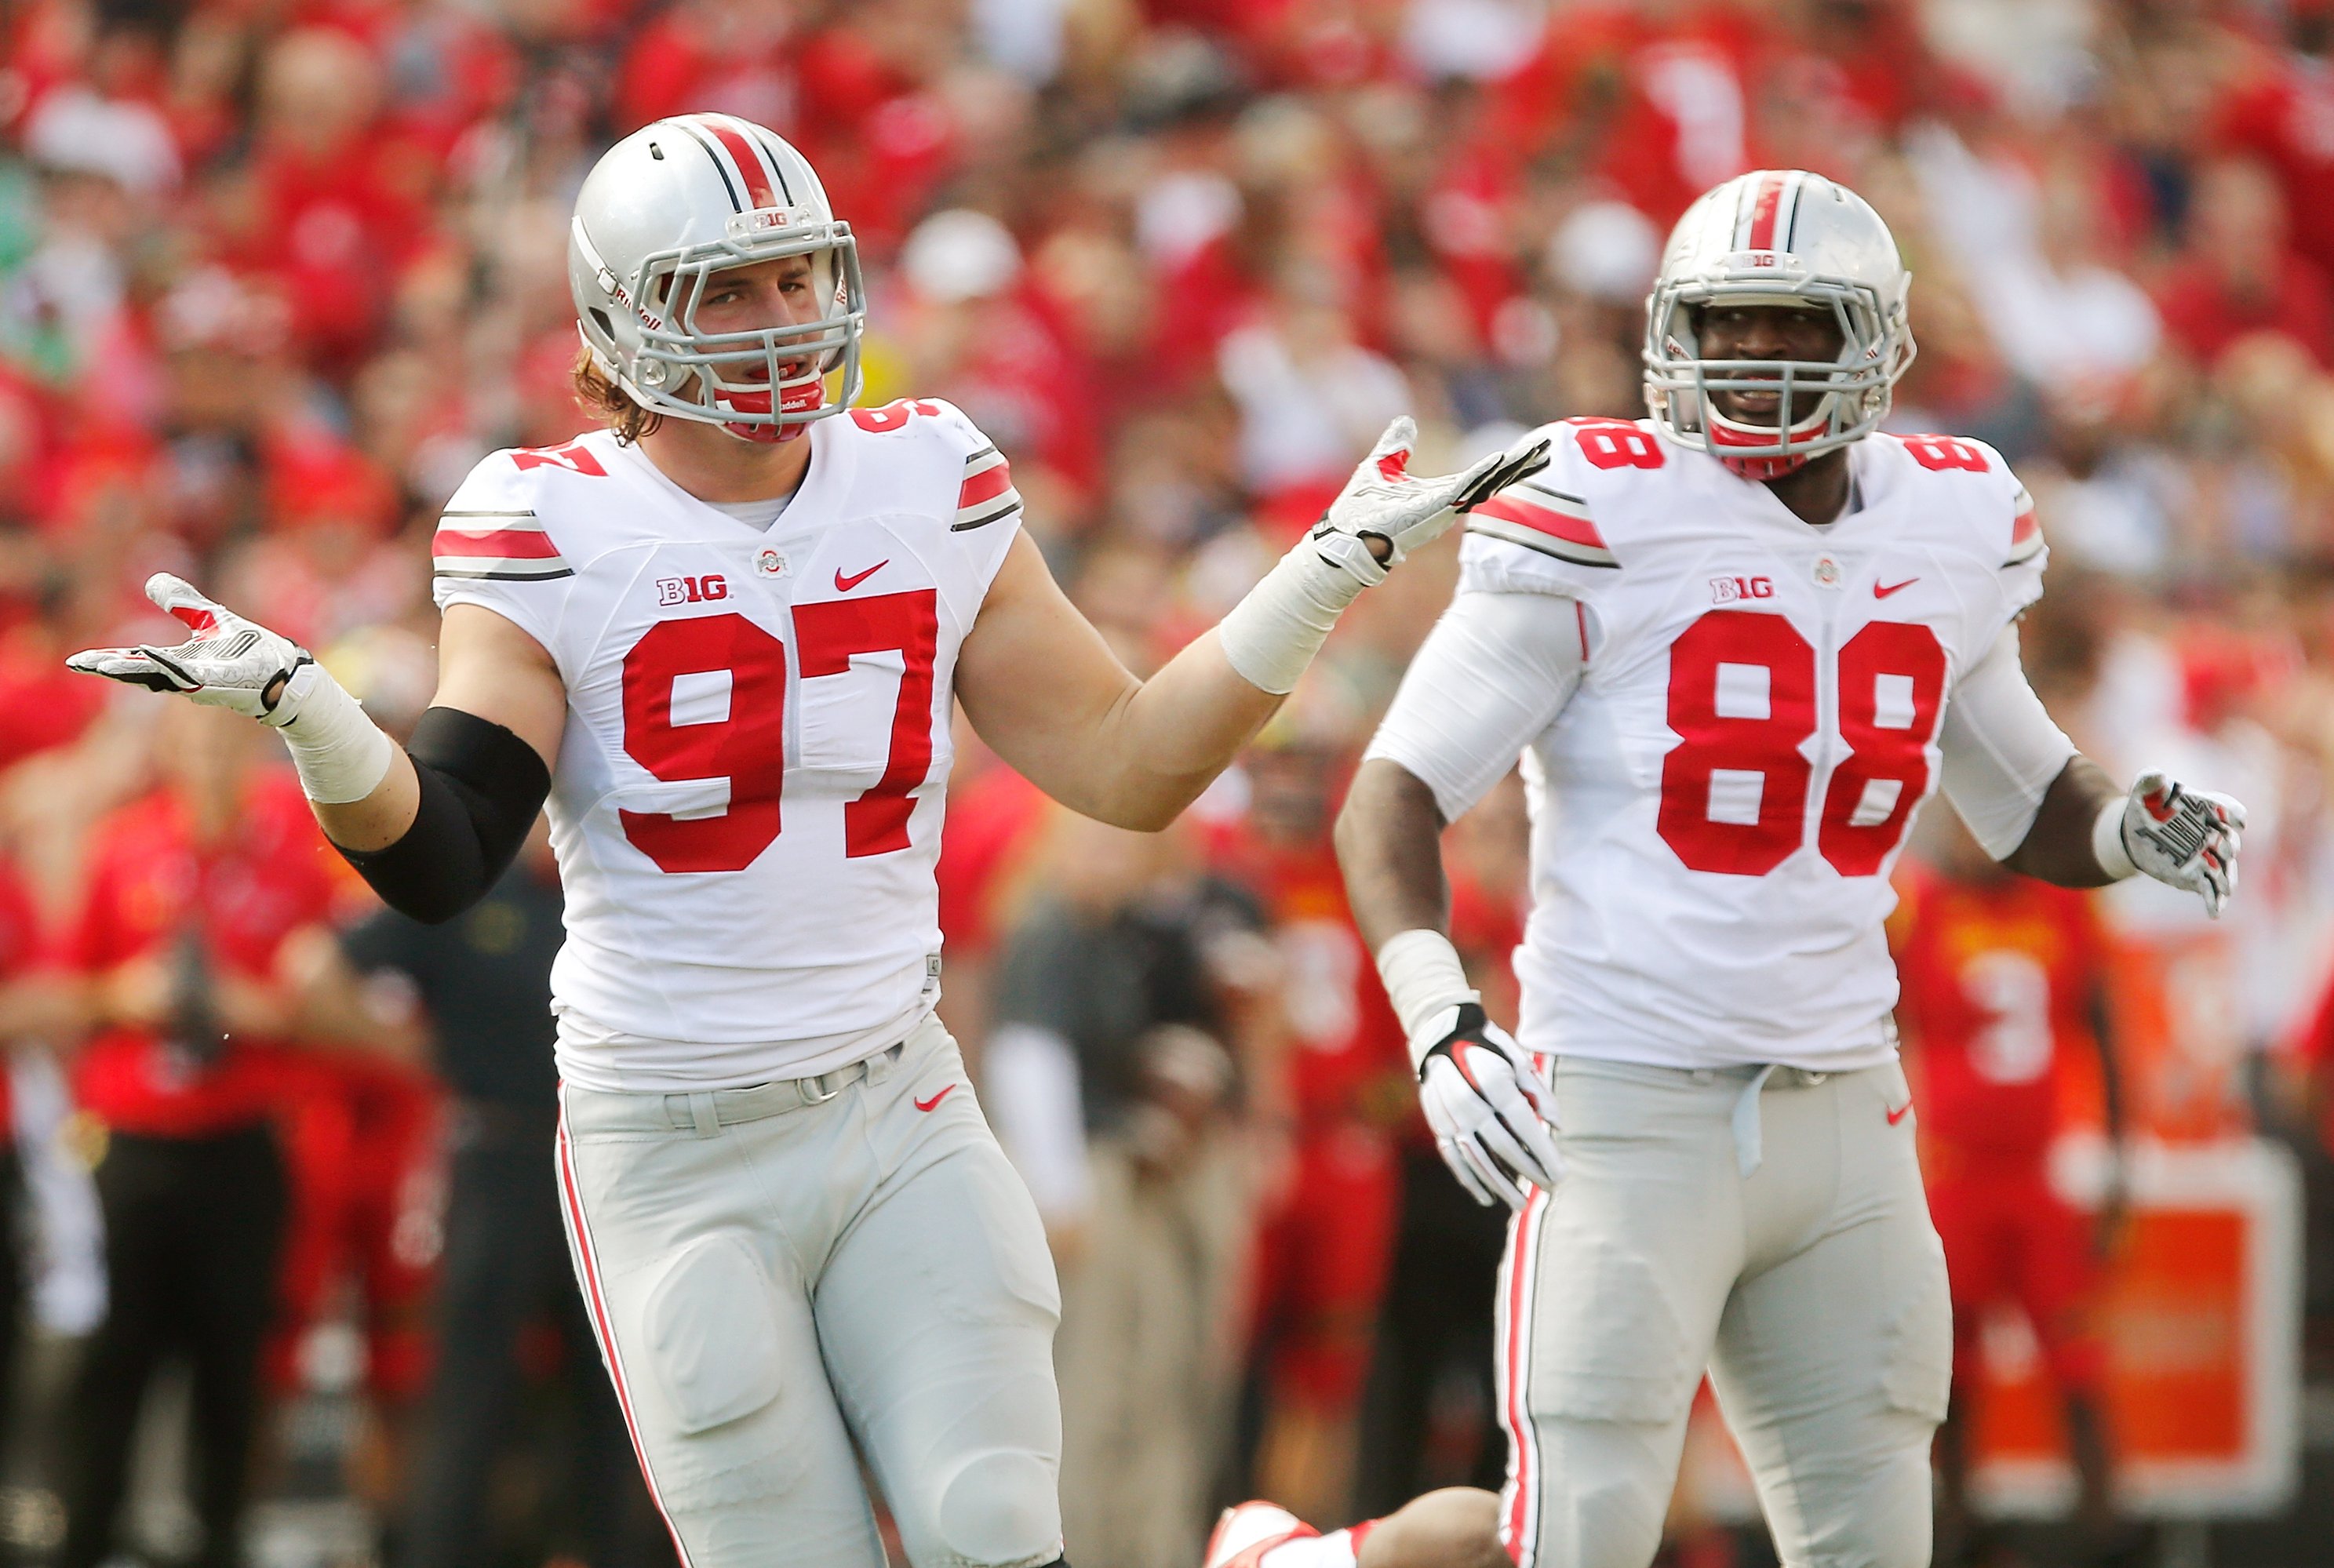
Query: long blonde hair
column 609, row 402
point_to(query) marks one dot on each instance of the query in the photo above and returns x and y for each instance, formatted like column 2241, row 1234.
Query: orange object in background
column 2174, row 1013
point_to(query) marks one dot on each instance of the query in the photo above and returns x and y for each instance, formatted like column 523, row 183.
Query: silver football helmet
column 686, row 197
column 1781, row 237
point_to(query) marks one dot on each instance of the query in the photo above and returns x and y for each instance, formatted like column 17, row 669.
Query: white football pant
column 774, row 1275
column 1813, row 1287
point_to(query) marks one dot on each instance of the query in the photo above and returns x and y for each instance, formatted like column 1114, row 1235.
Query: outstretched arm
column 430, row 825
column 2042, row 808
column 488, row 669
column 1043, row 688
column 1495, row 671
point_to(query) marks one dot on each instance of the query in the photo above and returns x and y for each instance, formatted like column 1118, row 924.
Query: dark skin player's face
column 1817, row 492
column 1768, row 333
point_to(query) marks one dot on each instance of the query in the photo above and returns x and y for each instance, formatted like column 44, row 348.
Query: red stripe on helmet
column 1762, row 211
column 752, row 166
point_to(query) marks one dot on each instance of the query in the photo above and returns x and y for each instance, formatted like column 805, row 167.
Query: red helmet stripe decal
column 752, row 167
column 1763, row 210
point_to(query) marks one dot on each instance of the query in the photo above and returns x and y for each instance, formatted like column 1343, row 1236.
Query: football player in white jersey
column 1736, row 645
column 725, row 637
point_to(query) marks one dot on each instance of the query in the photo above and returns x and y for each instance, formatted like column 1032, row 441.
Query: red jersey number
column 748, row 747
column 1941, row 453
column 1615, row 444
column 891, row 415
column 1742, row 703
column 576, row 459
column 1743, row 698
column 831, row 633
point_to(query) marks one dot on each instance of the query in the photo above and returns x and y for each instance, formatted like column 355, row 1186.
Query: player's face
column 1768, row 333
column 759, row 295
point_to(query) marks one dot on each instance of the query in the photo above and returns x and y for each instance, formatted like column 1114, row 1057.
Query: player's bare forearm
column 2058, row 848
column 487, row 667
column 1041, row 686
column 1390, row 848
column 1177, row 731
column 380, row 818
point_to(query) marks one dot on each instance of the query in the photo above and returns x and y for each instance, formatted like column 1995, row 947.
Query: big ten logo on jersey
column 705, row 589
column 1727, row 589
column 576, row 457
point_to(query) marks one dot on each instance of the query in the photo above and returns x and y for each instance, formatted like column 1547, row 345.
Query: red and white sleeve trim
column 987, row 492
column 2025, row 531
column 1547, row 521
column 504, row 546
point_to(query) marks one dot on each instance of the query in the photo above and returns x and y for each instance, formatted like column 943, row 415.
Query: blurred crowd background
column 274, row 274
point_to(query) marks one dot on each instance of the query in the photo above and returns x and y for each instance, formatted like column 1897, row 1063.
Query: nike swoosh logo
column 845, row 585
column 1897, row 1115
column 935, row 1100
column 1882, row 590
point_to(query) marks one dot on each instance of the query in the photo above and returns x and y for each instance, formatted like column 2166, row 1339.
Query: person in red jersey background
column 193, row 893
column 2003, row 982
column 1325, row 1234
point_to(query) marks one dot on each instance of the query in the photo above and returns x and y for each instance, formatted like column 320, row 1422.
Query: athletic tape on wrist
column 2106, row 840
column 341, row 754
column 1422, row 975
column 1270, row 636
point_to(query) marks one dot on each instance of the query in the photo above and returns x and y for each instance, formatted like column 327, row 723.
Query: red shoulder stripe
column 1509, row 507
column 502, row 543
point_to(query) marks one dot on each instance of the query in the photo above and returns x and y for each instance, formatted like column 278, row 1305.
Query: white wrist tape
column 341, row 755
column 1423, row 977
column 1271, row 635
column 2106, row 840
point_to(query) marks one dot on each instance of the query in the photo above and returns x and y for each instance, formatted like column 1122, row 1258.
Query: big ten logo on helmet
column 1727, row 589
column 692, row 589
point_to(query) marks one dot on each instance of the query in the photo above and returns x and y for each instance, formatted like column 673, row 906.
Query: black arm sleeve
column 481, row 787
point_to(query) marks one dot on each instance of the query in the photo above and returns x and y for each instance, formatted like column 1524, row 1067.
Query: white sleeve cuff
column 2106, row 840
column 1422, row 975
column 340, row 754
column 1271, row 635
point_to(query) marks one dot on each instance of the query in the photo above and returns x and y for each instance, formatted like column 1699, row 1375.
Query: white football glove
column 2184, row 838
column 1383, row 500
column 228, row 662
column 1490, row 1111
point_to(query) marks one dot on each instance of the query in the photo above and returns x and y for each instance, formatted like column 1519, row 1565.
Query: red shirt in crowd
column 2204, row 316
column 1997, row 980
column 2285, row 117
column 148, row 883
column 1347, row 1045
